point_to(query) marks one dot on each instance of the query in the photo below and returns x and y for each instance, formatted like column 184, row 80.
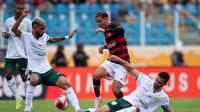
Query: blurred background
column 162, row 35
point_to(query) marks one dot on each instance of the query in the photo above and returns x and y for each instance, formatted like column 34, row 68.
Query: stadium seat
column 60, row 8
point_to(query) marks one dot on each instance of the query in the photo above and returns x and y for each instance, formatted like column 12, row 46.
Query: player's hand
column 25, row 12
column 6, row 35
column 100, row 30
column 71, row 34
column 100, row 49
column 137, row 107
column 114, row 58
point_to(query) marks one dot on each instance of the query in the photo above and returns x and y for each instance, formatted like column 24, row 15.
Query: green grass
column 178, row 105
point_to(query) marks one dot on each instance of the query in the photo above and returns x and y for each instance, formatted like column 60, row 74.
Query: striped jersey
column 116, row 41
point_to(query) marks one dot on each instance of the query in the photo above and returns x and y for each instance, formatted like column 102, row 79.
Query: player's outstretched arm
column 59, row 38
column 118, row 29
column 15, row 27
column 126, row 65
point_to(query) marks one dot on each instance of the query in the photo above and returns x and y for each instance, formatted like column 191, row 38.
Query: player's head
column 39, row 26
column 102, row 20
column 18, row 9
column 161, row 80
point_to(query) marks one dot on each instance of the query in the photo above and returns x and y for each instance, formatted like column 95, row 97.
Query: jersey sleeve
column 8, row 26
column 47, row 37
column 142, row 78
column 29, row 26
column 165, row 101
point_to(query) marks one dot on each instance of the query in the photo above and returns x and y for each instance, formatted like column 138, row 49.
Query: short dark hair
column 165, row 76
column 102, row 14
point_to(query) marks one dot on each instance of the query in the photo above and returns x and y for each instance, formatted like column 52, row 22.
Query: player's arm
column 59, row 38
column 166, row 108
column 15, row 27
column 118, row 29
column 100, row 49
column 126, row 65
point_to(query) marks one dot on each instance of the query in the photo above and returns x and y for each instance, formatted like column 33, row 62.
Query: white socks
column 29, row 97
column 72, row 98
column 13, row 87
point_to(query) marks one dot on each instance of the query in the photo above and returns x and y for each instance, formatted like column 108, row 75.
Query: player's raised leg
column 63, row 83
column 99, row 73
column 116, row 88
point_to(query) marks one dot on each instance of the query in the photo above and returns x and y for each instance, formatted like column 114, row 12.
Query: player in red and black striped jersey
column 117, row 45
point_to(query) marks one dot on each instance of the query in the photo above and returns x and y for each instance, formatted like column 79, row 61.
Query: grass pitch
column 178, row 105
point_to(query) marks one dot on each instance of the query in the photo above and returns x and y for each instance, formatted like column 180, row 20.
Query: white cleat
column 97, row 101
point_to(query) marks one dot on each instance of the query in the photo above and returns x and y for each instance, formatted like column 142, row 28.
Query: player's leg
column 34, row 81
column 99, row 73
column 115, row 106
column 10, row 65
column 120, row 77
column 103, row 71
column 22, row 63
column 63, row 83
column 116, row 88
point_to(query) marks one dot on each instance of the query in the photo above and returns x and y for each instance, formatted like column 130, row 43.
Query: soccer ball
column 62, row 102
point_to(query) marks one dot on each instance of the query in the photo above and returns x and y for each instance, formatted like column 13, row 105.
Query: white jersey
column 36, row 52
column 144, row 95
column 16, row 47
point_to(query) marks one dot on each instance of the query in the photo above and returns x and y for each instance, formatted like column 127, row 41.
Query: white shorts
column 116, row 71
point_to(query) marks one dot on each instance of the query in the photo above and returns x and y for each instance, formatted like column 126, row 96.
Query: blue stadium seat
column 63, row 24
column 52, row 24
column 60, row 8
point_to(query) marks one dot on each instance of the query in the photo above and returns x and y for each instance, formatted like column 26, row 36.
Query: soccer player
column 41, row 71
column 117, row 45
column 16, row 54
column 148, row 96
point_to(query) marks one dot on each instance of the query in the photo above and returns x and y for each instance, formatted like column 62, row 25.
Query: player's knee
column 116, row 89
column 66, row 85
column 8, row 75
column 33, row 82
column 24, row 78
column 97, row 75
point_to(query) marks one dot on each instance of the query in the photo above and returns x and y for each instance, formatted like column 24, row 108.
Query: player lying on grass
column 41, row 71
column 148, row 96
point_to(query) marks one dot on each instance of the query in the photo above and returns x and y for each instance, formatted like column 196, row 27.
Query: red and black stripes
column 116, row 41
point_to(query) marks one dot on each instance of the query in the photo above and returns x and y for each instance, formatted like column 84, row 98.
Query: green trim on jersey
column 118, row 104
column 12, row 63
column 49, row 78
